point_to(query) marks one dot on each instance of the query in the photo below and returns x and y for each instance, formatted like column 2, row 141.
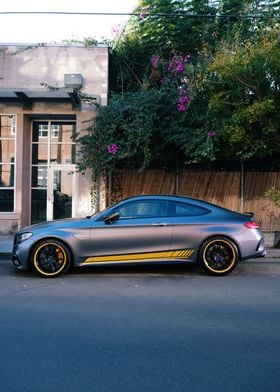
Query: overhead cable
column 143, row 15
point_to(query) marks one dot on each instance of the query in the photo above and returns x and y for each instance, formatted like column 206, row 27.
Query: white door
column 61, row 191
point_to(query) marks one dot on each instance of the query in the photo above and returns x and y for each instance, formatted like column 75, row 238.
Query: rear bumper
column 258, row 252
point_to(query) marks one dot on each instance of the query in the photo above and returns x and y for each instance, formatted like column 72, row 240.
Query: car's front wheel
column 50, row 258
column 218, row 256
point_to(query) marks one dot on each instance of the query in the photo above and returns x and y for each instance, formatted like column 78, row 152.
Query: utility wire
column 142, row 15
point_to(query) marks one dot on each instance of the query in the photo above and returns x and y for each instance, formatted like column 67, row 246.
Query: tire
column 50, row 258
column 218, row 256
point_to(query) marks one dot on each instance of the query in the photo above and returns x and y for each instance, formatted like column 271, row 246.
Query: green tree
column 137, row 128
column 190, row 86
column 274, row 195
column 162, row 27
column 195, row 27
column 244, row 95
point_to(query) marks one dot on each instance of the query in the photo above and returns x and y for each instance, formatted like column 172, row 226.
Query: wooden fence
column 233, row 190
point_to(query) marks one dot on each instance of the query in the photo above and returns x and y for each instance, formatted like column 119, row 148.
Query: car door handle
column 159, row 224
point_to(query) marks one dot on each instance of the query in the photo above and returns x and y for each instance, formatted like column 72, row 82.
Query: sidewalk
column 6, row 246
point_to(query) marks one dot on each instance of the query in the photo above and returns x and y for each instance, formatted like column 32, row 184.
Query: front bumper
column 20, row 255
column 16, row 263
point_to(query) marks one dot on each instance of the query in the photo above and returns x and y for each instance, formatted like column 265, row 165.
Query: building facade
column 47, row 96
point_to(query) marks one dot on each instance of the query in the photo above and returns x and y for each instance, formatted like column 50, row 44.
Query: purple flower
column 212, row 134
column 112, row 149
column 116, row 30
column 154, row 60
column 184, row 99
column 177, row 63
column 181, row 107
column 179, row 67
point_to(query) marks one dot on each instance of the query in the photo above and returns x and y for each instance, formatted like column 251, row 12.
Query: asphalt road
column 141, row 330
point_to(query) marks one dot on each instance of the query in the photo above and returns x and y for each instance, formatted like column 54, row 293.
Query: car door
column 142, row 231
column 189, row 221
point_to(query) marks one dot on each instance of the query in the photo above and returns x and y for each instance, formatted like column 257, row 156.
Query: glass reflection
column 53, row 143
column 6, row 200
column 7, row 153
column 7, row 126
column 7, row 175
column 39, row 177
column 62, row 207
column 39, row 153
column 63, row 153
column 38, row 205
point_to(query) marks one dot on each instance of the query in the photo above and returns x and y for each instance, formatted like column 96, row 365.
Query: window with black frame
column 53, row 143
column 144, row 209
column 7, row 162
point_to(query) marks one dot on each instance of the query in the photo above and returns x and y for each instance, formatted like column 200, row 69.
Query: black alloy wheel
column 218, row 256
column 50, row 258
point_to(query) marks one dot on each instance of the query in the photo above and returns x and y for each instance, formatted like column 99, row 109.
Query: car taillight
column 251, row 225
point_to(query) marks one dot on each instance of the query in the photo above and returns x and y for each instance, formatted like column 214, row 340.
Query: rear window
column 186, row 209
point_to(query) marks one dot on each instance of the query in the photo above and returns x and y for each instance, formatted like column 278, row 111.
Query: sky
column 56, row 28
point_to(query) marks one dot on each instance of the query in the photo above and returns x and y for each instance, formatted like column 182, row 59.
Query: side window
column 144, row 209
column 7, row 162
column 186, row 209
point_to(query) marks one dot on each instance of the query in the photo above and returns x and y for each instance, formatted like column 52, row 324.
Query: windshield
column 99, row 213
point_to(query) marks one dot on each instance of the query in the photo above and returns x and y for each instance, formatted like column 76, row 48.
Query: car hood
column 51, row 224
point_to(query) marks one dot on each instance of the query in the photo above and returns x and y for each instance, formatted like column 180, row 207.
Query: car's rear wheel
column 50, row 258
column 218, row 256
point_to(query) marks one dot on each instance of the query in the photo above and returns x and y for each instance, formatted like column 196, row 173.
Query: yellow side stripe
column 177, row 254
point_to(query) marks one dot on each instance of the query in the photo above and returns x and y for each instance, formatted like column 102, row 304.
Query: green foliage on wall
column 192, row 81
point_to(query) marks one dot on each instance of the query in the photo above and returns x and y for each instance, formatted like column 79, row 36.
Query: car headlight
column 23, row 237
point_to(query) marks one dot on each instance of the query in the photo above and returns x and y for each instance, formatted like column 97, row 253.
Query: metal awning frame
column 28, row 96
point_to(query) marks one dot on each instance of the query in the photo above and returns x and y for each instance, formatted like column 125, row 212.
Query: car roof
column 169, row 197
column 164, row 196
column 182, row 198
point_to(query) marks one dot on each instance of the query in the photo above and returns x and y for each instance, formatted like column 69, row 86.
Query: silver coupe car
column 150, row 228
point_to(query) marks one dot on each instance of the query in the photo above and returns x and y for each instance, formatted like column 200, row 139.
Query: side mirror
column 109, row 219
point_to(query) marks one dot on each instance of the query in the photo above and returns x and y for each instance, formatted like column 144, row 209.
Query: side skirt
column 140, row 257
